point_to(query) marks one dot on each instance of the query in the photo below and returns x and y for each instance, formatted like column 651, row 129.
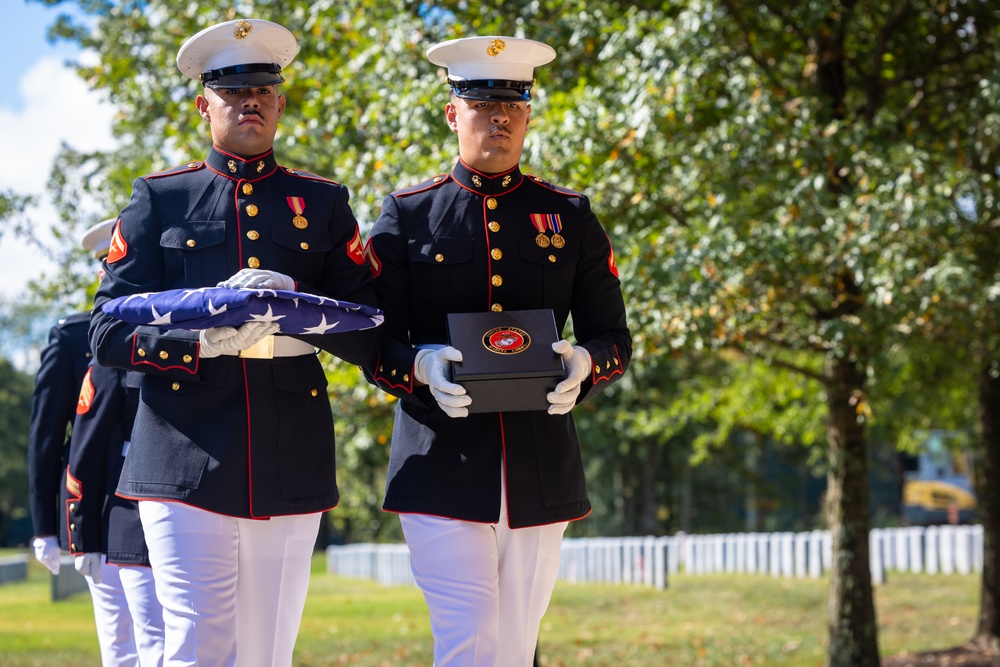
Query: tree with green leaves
column 821, row 195
column 15, row 409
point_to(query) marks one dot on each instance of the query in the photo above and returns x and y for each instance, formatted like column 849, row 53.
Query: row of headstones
column 67, row 582
column 932, row 550
column 649, row 561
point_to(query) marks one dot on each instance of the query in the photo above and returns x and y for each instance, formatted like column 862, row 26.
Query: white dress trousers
column 114, row 621
column 487, row 586
column 232, row 589
column 147, row 614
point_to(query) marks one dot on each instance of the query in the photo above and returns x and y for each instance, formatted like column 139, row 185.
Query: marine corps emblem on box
column 506, row 340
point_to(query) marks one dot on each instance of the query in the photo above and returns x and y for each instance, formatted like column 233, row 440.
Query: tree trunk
column 850, row 607
column 650, row 522
column 987, row 466
column 752, row 459
column 685, row 519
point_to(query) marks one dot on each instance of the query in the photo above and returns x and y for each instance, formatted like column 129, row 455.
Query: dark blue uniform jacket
column 53, row 407
column 242, row 437
column 98, row 520
column 467, row 242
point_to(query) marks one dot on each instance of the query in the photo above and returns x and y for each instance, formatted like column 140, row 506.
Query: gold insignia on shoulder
column 495, row 48
column 260, row 166
column 478, row 182
column 242, row 29
column 232, row 166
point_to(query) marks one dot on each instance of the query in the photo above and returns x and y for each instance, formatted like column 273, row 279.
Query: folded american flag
column 207, row 307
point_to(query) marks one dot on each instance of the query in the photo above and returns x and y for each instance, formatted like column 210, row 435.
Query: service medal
column 298, row 206
column 542, row 240
column 558, row 241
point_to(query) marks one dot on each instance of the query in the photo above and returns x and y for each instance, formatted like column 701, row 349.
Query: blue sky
column 44, row 105
column 27, row 43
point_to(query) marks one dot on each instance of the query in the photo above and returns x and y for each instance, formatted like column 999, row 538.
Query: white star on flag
column 320, row 328
column 158, row 319
column 269, row 316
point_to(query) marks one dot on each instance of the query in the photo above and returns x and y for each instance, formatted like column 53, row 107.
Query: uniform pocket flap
column 444, row 250
column 194, row 234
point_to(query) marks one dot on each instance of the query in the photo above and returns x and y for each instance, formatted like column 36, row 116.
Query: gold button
column 187, row 358
column 393, row 372
column 406, row 377
column 496, row 254
column 141, row 352
column 496, row 308
column 497, row 281
column 304, row 245
column 175, row 386
column 251, row 210
column 253, row 235
column 552, row 258
column 164, row 355
column 191, row 243
column 494, row 226
column 72, row 545
column 597, row 368
column 439, row 258
column 253, row 263
column 438, row 179
column 491, row 203
column 313, row 392
column 72, row 526
column 72, row 506
column 247, row 189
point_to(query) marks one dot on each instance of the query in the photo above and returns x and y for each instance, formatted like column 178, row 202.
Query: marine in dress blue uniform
column 63, row 364
column 487, row 237
column 104, row 530
column 233, row 424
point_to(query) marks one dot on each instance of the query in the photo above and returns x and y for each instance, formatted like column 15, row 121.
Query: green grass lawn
column 713, row 621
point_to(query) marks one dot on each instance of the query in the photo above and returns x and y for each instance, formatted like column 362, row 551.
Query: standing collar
column 238, row 168
column 487, row 184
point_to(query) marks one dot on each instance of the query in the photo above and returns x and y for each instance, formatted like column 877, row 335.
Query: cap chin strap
column 483, row 87
column 250, row 68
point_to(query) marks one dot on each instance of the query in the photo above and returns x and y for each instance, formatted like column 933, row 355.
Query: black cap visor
column 252, row 75
column 492, row 90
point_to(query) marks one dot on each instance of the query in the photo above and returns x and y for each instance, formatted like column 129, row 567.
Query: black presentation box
column 507, row 360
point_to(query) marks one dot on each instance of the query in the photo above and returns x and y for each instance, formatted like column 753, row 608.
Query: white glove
column 230, row 340
column 577, row 361
column 89, row 565
column 431, row 368
column 259, row 278
column 47, row 552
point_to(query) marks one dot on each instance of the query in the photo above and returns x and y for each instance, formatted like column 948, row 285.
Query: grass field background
column 713, row 621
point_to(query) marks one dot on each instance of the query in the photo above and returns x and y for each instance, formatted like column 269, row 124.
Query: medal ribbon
column 297, row 204
column 538, row 220
column 555, row 224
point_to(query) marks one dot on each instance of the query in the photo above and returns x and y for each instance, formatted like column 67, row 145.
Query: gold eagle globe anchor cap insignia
column 243, row 53
column 491, row 68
